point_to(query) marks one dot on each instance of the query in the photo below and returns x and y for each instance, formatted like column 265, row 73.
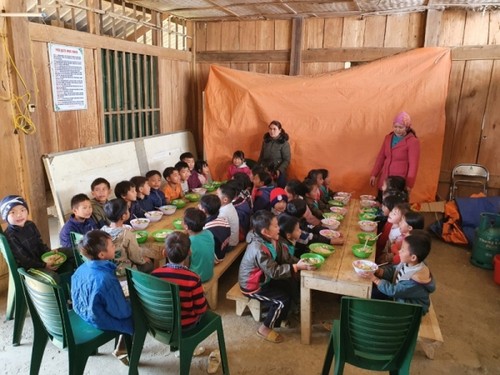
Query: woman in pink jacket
column 399, row 154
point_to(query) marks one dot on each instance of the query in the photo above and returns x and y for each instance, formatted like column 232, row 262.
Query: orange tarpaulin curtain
column 335, row 121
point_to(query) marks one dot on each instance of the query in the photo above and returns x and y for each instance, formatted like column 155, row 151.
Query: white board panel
column 71, row 172
column 164, row 151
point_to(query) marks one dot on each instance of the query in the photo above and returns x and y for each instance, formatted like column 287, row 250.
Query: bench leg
column 429, row 347
column 212, row 296
column 254, row 306
column 240, row 307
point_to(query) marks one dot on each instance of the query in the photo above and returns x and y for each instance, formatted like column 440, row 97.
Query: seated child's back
column 95, row 291
column 128, row 252
column 202, row 244
column 193, row 302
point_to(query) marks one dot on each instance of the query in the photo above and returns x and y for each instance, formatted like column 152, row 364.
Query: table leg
column 305, row 314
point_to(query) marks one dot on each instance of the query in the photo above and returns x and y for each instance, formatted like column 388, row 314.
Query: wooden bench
column 429, row 334
column 242, row 302
column 211, row 287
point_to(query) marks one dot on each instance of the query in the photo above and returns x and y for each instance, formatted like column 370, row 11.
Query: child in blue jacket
column 411, row 280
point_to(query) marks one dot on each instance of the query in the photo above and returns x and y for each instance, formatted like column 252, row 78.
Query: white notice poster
column 67, row 71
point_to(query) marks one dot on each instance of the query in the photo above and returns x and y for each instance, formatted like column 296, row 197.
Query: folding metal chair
column 469, row 175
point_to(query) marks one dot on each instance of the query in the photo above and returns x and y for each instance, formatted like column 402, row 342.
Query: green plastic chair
column 156, row 309
column 374, row 335
column 16, row 303
column 53, row 321
column 76, row 238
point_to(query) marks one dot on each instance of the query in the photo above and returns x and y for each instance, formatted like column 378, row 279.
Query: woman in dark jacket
column 275, row 152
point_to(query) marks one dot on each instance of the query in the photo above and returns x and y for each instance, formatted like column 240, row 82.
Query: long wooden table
column 154, row 249
column 337, row 274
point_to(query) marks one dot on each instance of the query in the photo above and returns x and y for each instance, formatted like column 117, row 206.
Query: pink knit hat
column 403, row 118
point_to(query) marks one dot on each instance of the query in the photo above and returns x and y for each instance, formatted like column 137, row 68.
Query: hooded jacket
column 275, row 152
column 259, row 266
column 414, row 287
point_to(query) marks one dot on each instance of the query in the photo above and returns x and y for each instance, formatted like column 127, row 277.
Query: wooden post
column 296, row 50
column 32, row 171
column 432, row 27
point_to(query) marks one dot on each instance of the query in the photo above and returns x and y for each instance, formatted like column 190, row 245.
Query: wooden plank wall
column 10, row 165
column 472, row 116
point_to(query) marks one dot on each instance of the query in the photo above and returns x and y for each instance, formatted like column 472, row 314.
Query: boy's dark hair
column 397, row 183
column 122, row 188
column 263, row 174
column 324, row 172
column 194, row 219
column 138, row 181
column 414, row 219
column 199, row 164
column 186, row 155
column 98, row 181
column 77, row 199
column 239, row 154
column 419, row 243
column 296, row 187
column 115, row 209
column 296, row 208
column 181, row 165
column 93, row 243
column 228, row 190
column 391, row 201
column 313, row 174
column 309, row 183
column 177, row 245
column 235, row 185
column 403, row 207
column 287, row 224
column 211, row 204
column 152, row 173
column 243, row 180
column 168, row 172
column 261, row 220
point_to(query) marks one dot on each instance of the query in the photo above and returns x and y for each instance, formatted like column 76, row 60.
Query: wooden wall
column 21, row 165
column 327, row 44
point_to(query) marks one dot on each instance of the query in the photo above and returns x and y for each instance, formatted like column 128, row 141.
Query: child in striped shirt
column 193, row 302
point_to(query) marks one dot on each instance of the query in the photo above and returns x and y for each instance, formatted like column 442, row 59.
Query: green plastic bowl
column 160, row 234
column 61, row 258
column 322, row 249
column 178, row 224
column 192, row 197
column 141, row 236
column 315, row 260
column 360, row 251
column 179, row 203
column 335, row 203
column 367, row 216
column 371, row 238
column 210, row 187
column 368, row 210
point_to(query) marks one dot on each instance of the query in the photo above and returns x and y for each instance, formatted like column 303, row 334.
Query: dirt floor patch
column 467, row 304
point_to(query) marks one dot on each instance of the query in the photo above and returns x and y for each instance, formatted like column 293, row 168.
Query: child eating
column 263, row 278
column 411, row 280
column 172, row 189
column 100, row 189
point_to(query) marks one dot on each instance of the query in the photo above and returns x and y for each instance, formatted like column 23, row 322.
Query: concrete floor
column 467, row 303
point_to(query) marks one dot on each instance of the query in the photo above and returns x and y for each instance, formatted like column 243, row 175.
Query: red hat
column 277, row 195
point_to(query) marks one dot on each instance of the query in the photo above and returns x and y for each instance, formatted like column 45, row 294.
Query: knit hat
column 277, row 195
column 402, row 118
column 9, row 202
